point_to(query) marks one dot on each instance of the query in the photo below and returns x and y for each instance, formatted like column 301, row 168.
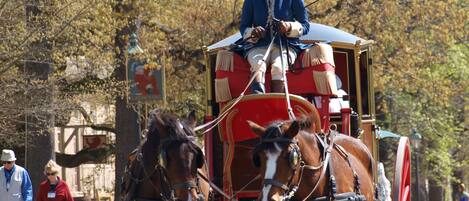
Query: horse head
column 279, row 157
column 171, row 160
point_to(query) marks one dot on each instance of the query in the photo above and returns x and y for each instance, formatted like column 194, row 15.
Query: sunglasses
column 7, row 162
column 51, row 174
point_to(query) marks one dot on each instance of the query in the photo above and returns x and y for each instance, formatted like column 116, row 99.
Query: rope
column 246, row 185
column 214, row 186
column 291, row 115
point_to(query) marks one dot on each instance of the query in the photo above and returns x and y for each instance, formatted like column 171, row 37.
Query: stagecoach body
column 228, row 147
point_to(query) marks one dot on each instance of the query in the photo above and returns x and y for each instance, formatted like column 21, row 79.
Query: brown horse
column 167, row 165
column 299, row 165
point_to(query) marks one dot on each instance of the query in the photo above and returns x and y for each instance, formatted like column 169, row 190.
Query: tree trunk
column 435, row 191
column 39, row 145
column 127, row 129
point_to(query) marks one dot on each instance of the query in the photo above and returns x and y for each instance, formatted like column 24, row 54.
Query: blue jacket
column 25, row 186
column 255, row 13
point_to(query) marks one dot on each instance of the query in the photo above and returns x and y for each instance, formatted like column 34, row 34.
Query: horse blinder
column 294, row 157
column 163, row 158
column 200, row 159
column 256, row 160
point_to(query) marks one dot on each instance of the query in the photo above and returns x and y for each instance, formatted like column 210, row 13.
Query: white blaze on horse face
column 271, row 167
column 189, row 196
column 180, row 125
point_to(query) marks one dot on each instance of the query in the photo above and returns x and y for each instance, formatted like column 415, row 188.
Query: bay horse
column 167, row 165
column 298, row 164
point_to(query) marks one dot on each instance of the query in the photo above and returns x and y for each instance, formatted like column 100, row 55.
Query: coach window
column 365, row 83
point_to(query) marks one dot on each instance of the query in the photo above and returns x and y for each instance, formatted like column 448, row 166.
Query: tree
column 40, row 147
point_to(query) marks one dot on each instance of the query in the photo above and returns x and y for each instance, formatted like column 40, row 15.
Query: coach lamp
column 415, row 139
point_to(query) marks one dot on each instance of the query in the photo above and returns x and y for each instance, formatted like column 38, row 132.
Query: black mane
column 175, row 128
column 273, row 131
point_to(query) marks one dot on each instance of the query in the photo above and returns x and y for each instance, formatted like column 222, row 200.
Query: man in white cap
column 15, row 184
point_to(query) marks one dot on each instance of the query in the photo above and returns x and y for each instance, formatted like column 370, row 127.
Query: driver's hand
column 285, row 27
column 258, row 32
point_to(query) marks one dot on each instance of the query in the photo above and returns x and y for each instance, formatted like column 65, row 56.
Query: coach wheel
column 401, row 187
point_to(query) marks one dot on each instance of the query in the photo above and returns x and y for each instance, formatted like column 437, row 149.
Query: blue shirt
column 464, row 197
column 26, row 185
column 255, row 13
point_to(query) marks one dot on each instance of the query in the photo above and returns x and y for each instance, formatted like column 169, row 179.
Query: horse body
column 281, row 139
column 166, row 166
column 360, row 160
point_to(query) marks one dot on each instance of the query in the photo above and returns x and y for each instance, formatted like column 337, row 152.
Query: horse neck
column 150, row 151
column 311, row 155
column 310, row 151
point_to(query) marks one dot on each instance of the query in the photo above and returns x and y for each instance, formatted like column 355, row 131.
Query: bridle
column 291, row 187
column 168, row 189
column 162, row 160
column 288, row 188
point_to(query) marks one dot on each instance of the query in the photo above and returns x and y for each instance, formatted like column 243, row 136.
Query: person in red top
column 53, row 188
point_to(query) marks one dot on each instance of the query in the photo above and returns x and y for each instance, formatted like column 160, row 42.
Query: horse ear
column 192, row 119
column 155, row 114
column 306, row 123
column 293, row 129
column 256, row 128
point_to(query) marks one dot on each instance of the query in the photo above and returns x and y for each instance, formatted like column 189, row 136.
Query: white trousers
column 255, row 56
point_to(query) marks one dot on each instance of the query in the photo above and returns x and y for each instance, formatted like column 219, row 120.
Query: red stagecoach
column 332, row 80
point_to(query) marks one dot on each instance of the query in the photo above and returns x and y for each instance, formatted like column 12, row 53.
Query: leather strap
column 275, row 183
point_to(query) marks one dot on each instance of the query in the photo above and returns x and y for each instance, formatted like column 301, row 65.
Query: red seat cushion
column 299, row 82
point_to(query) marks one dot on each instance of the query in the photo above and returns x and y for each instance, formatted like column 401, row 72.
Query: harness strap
column 279, row 139
column 145, row 199
column 332, row 182
column 325, row 164
column 166, row 194
column 185, row 185
column 343, row 197
column 275, row 183
column 346, row 155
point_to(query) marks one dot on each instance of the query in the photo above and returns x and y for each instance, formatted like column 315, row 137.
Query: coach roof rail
column 317, row 32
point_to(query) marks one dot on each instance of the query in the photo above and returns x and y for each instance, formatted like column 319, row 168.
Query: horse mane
column 272, row 132
column 176, row 129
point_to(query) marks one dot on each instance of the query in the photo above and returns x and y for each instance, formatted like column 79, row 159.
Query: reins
column 212, row 124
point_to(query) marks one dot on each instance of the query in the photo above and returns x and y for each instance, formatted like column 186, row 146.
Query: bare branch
column 90, row 122
column 84, row 156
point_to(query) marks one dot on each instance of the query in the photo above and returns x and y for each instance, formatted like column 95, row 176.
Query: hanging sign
column 146, row 80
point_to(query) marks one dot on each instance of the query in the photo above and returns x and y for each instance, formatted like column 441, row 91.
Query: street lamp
column 415, row 139
column 134, row 48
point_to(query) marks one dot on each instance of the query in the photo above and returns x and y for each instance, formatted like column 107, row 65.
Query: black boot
column 257, row 88
column 277, row 86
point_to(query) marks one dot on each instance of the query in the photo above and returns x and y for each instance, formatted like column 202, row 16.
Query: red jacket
column 62, row 193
